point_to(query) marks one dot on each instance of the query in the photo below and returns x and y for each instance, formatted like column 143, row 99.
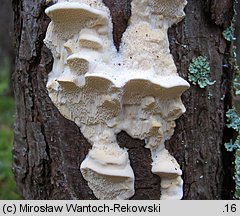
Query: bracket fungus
column 105, row 91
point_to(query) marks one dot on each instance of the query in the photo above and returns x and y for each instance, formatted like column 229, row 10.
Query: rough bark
column 201, row 133
column 48, row 149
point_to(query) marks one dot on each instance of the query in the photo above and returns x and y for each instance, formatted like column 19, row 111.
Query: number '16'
column 231, row 208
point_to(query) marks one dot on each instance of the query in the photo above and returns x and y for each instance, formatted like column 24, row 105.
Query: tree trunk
column 48, row 149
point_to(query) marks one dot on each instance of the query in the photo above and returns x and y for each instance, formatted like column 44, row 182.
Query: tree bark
column 199, row 139
column 48, row 149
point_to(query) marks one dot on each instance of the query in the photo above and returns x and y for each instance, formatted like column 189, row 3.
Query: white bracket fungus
column 136, row 90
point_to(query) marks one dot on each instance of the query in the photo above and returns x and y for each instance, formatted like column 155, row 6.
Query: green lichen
column 228, row 34
column 199, row 71
column 233, row 121
column 232, row 146
column 236, row 81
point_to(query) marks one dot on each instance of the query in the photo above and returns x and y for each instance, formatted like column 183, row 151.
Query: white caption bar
column 85, row 208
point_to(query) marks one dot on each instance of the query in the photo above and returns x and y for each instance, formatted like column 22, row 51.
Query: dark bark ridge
column 201, row 132
column 48, row 149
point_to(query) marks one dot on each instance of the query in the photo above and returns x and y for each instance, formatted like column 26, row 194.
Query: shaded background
column 7, row 184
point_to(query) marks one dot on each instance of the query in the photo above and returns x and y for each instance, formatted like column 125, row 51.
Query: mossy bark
column 48, row 149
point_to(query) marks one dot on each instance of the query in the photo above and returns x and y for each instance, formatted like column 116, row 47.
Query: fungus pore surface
column 105, row 91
